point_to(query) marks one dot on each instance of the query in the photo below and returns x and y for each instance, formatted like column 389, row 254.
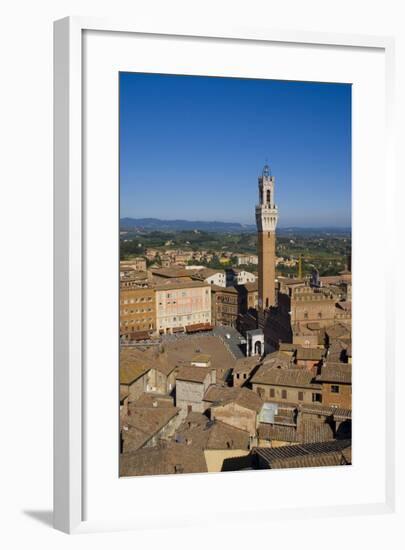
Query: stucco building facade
column 137, row 313
column 180, row 304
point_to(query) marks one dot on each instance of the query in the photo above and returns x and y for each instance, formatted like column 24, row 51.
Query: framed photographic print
column 215, row 193
column 235, row 330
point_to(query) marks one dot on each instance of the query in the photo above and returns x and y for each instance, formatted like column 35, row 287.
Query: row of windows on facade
column 129, row 311
column 306, row 315
column 174, row 303
column 316, row 397
column 133, row 284
column 182, row 312
column 135, row 322
column 184, row 318
column 227, row 300
column 137, row 328
column 230, row 310
column 137, row 300
column 183, row 294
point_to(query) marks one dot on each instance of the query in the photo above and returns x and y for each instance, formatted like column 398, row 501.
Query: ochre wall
column 215, row 459
column 342, row 399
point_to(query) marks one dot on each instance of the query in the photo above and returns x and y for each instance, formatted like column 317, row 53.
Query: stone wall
column 237, row 416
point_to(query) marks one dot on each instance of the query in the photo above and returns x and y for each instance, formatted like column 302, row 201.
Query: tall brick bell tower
column 266, row 221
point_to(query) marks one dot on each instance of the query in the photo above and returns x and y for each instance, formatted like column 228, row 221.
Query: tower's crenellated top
column 266, row 210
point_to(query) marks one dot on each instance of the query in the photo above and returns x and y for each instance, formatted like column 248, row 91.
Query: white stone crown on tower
column 266, row 210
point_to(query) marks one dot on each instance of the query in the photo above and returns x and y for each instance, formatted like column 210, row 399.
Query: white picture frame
column 70, row 209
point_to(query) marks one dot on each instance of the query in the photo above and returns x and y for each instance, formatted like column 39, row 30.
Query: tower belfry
column 266, row 221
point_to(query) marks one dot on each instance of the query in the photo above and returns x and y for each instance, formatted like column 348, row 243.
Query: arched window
column 268, row 195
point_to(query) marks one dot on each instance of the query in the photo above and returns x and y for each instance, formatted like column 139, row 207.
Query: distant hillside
column 154, row 224
column 310, row 231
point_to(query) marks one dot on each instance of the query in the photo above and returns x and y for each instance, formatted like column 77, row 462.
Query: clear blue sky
column 193, row 147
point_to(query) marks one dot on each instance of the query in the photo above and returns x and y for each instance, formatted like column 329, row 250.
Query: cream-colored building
column 181, row 304
column 246, row 259
column 242, row 277
column 212, row 276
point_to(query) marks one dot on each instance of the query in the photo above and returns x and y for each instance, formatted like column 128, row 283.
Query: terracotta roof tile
column 169, row 459
column 193, row 374
column 222, row 395
column 294, row 377
column 329, row 453
column 306, row 432
column 276, row 432
column 314, row 432
column 133, row 364
column 336, row 372
column 214, row 435
column 316, row 409
column 338, row 331
column 143, row 423
column 310, row 354
column 311, row 461
column 246, row 364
